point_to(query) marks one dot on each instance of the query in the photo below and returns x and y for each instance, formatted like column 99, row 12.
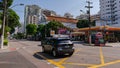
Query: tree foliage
column 31, row 29
column 84, row 23
column 13, row 20
column 40, row 28
column 53, row 25
column 41, row 31
column 0, row 22
column 9, row 3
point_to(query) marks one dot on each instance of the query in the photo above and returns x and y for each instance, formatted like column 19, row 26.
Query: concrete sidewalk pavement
column 117, row 44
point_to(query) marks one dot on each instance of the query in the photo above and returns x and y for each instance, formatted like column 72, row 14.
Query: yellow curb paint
column 101, row 56
column 79, row 64
column 109, row 63
column 51, row 61
column 61, row 61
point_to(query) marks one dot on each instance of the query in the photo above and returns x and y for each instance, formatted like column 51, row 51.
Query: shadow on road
column 44, row 56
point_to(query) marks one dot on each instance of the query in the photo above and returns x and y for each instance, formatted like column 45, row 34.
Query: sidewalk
column 5, row 49
column 117, row 44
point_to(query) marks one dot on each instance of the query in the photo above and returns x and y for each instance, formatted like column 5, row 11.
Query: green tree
column 31, row 29
column 9, row 3
column 93, row 23
column 84, row 23
column 53, row 25
column 40, row 28
column 13, row 20
column 40, row 34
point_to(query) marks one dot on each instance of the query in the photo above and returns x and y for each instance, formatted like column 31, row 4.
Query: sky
column 59, row 6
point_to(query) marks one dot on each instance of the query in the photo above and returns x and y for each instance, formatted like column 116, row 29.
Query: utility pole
column 3, row 23
column 88, row 12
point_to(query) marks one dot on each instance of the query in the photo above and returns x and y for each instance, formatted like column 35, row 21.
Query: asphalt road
column 30, row 54
column 14, row 60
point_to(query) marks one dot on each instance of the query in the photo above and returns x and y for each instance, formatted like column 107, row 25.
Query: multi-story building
column 32, row 15
column 95, row 17
column 68, row 15
column 49, row 12
column 82, row 16
column 33, row 19
column 110, row 12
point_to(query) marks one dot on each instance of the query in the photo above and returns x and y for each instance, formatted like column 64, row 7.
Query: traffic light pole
column 88, row 12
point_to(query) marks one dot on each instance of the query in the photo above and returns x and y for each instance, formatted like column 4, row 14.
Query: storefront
column 111, row 34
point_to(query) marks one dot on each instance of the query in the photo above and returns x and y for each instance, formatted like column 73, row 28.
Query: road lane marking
column 109, row 63
column 51, row 61
column 101, row 56
column 61, row 61
column 78, row 64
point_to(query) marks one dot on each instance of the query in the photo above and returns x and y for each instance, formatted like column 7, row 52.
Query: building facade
column 68, row 22
column 110, row 12
column 82, row 16
column 49, row 12
column 32, row 15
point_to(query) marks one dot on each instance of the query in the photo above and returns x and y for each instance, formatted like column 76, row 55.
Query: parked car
column 58, row 46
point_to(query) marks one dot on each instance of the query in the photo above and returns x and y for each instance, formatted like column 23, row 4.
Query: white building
column 32, row 15
column 68, row 22
column 82, row 16
column 110, row 12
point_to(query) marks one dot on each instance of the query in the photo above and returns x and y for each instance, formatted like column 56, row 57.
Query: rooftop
column 62, row 19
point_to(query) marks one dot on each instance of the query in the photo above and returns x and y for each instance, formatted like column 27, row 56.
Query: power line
column 88, row 12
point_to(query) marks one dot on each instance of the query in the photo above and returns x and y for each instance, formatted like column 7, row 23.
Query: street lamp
column 5, row 10
column 17, row 5
column 3, row 23
column 11, row 8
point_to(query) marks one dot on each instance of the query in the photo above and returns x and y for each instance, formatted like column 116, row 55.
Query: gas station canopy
column 98, row 28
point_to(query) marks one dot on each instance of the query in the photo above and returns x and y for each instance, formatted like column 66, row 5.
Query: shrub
column 5, row 42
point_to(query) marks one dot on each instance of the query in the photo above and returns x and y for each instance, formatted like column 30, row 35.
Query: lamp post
column 3, row 23
column 5, row 17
